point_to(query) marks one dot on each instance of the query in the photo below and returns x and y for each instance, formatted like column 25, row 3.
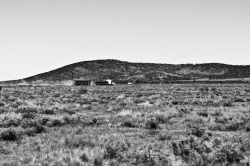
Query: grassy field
column 142, row 125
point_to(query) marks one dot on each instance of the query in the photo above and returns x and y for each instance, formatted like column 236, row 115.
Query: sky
column 37, row 36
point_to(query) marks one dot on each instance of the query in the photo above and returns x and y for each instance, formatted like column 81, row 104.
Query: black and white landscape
column 124, row 83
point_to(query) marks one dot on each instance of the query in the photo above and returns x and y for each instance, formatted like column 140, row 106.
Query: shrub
column 227, row 103
column 54, row 123
column 111, row 152
column 192, row 151
column 247, row 128
column 203, row 113
column 175, row 102
column 228, row 154
column 222, row 120
column 84, row 157
column 195, row 151
column 9, row 135
column 151, row 124
column 67, row 119
column 35, row 130
column 28, row 123
column 128, row 124
column 26, row 110
column 2, row 110
column 78, row 141
column 234, row 126
column 115, row 148
column 98, row 161
column 28, row 115
column 47, row 111
column 217, row 113
column 213, row 89
column 82, row 91
column 56, row 95
column 40, row 129
column 197, row 131
column 217, row 127
column 163, row 136
column 11, row 122
column 238, row 99
column 1, row 104
column 162, row 118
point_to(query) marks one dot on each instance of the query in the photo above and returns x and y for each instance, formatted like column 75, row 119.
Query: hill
column 123, row 72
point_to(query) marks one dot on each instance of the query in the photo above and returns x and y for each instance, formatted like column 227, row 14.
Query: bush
column 175, row 102
column 47, row 111
column 213, row 89
column 98, row 161
column 217, row 113
column 192, row 151
column 234, row 126
column 54, row 123
column 128, row 124
column 67, row 119
column 111, row 152
column 9, row 135
column 196, row 152
column 35, row 130
column 197, row 131
column 203, row 113
column 228, row 154
column 227, row 104
column 26, row 110
column 28, row 123
column 151, row 124
column 28, row 115
column 163, row 136
column 11, row 122
column 78, row 141
column 83, row 91
column 40, row 129
column 1, row 104
column 84, row 157
column 238, row 99
column 247, row 128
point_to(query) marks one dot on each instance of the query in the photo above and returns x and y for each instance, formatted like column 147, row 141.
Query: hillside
column 123, row 72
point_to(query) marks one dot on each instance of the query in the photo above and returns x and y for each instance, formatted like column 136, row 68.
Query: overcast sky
column 40, row 35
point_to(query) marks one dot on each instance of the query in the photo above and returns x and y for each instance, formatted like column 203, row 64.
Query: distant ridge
column 123, row 72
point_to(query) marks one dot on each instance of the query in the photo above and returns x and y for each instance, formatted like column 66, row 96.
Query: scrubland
column 142, row 125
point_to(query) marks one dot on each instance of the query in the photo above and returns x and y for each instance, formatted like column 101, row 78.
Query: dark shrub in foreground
column 227, row 104
column 54, row 123
column 9, row 135
column 47, row 111
column 84, row 157
column 26, row 110
column 128, row 124
column 197, row 131
column 28, row 115
column 203, row 113
column 83, row 91
column 228, row 154
column 151, row 124
column 195, row 152
column 35, row 130
column 247, row 128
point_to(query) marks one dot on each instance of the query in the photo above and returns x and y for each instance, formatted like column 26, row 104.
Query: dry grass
column 125, row 125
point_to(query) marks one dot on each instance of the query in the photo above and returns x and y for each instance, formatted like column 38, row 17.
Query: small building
column 83, row 82
column 106, row 82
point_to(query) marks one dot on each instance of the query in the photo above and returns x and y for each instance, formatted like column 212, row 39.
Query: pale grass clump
column 125, row 113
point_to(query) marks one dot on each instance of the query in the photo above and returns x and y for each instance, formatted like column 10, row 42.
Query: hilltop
column 123, row 72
